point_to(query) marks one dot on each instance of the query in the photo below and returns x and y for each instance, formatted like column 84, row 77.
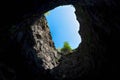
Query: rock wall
column 33, row 49
column 93, row 58
column 22, row 45
column 44, row 44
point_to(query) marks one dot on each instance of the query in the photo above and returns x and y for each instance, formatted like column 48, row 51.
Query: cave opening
column 64, row 26
column 21, row 51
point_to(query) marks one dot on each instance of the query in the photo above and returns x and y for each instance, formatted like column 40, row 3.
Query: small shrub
column 66, row 48
column 47, row 13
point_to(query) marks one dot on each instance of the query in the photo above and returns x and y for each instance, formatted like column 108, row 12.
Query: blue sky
column 64, row 26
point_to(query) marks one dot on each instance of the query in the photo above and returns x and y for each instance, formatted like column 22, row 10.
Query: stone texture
column 97, row 57
column 44, row 44
column 33, row 49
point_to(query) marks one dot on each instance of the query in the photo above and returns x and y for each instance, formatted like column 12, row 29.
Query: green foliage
column 66, row 48
column 47, row 13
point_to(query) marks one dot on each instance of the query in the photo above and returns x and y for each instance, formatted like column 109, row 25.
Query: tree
column 47, row 13
column 66, row 48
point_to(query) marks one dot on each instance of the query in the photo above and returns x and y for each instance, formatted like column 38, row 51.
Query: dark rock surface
column 95, row 58
column 32, row 51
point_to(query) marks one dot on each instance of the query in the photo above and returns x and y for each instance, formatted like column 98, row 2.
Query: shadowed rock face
column 23, row 55
column 95, row 56
column 31, row 51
